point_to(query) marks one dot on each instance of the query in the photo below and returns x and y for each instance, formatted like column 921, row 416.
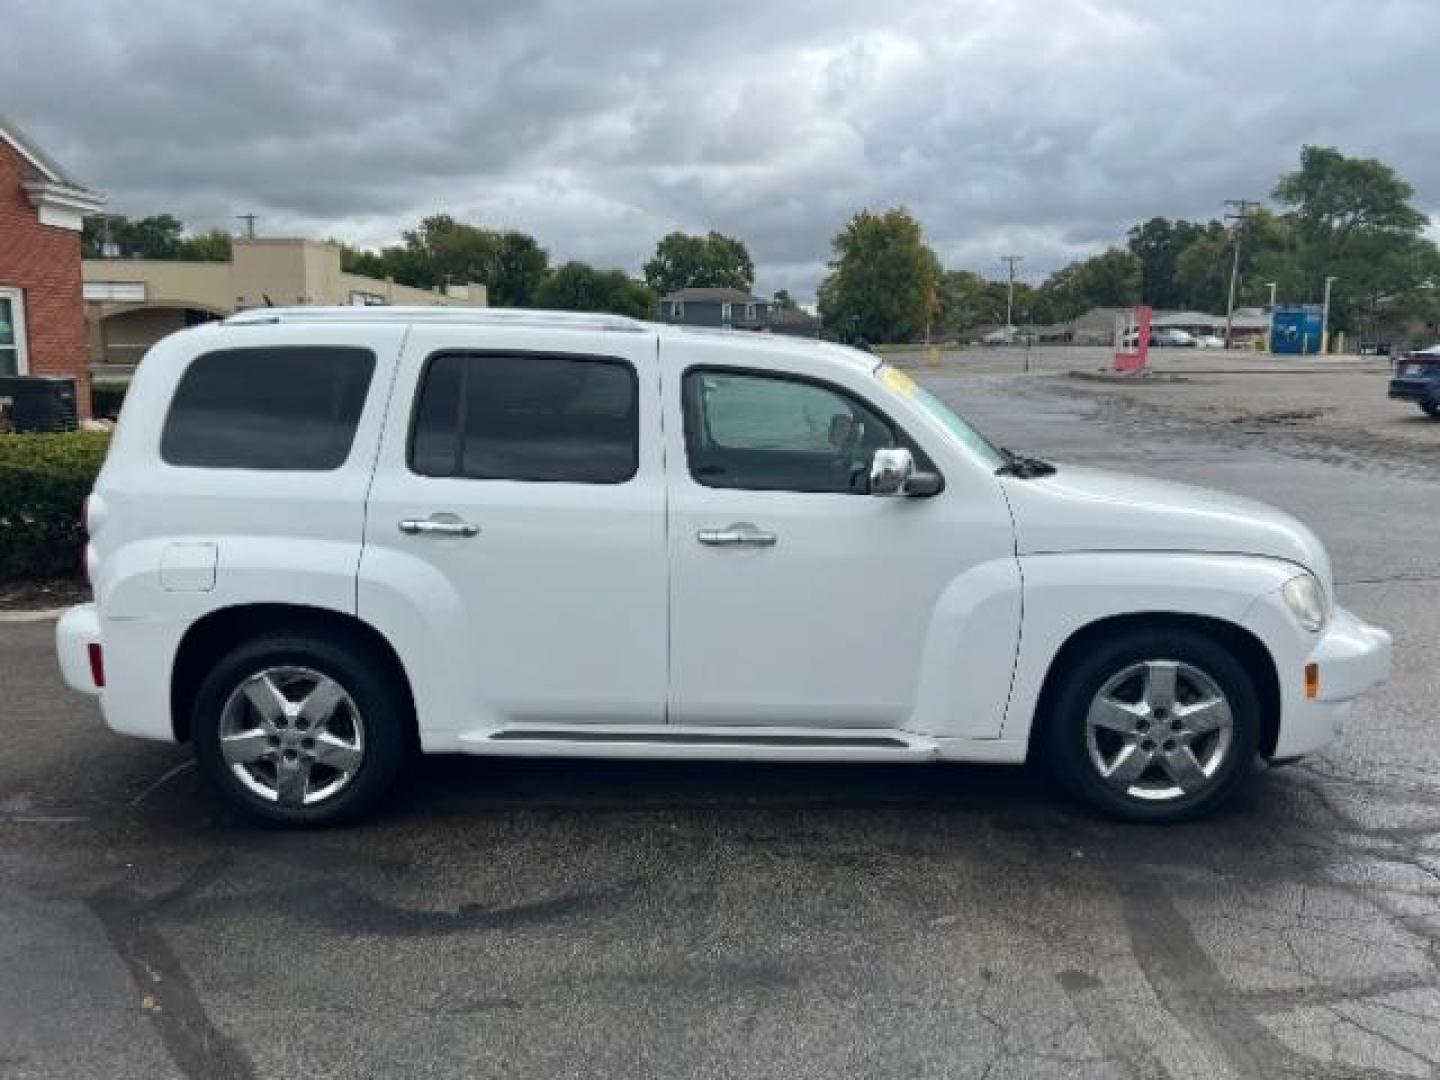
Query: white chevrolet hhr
column 325, row 539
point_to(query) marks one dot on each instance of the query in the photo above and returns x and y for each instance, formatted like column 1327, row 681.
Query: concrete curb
column 1135, row 377
column 20, row 618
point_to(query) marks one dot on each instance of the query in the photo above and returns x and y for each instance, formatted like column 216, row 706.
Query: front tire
column 301, row 731
column 1154, row 726
column 1431, row 409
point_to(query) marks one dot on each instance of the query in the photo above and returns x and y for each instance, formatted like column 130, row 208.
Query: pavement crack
column 1331, row 993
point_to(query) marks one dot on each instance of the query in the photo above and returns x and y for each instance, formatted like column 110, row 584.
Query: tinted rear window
column 293, row 408
column 537, row 418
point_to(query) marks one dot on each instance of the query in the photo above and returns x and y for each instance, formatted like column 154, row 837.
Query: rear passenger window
column 537, row 418
column 291, row 408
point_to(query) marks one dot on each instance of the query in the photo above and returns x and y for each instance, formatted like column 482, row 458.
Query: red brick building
column 42, row 314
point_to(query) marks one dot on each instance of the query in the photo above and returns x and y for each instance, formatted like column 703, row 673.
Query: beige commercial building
column 132, row 303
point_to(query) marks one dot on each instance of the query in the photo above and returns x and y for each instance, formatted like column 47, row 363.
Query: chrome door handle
column 741, row 533
column 439, row 525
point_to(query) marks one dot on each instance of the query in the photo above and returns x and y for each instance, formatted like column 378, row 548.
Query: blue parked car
column 1417, row 379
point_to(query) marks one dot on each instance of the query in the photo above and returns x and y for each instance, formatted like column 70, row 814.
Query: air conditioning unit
column 38, row 403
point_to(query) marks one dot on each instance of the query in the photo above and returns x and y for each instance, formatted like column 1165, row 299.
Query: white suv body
column 589, row 536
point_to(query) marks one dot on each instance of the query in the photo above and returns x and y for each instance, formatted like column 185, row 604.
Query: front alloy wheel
column 1153, row 724
column 1159, row 731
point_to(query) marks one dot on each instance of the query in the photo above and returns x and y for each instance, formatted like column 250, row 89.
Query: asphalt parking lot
column 563, row 919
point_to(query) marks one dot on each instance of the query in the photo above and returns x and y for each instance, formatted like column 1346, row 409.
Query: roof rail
column 578, row 320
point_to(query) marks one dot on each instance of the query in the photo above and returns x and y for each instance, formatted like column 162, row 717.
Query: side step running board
column 653, row 741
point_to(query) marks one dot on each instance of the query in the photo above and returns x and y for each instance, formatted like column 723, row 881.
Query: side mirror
column 892, row 472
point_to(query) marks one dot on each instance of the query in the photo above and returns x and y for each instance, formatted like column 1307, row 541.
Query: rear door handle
column 438, row 525
column 742, row 533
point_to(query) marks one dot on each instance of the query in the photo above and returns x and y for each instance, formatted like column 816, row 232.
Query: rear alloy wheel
column 1155, row 726
column 301, row 731
column 292, row 736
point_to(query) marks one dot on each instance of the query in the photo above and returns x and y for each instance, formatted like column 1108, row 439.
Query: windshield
column 941, row 413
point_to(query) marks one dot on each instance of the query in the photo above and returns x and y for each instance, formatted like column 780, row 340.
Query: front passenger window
column 766, row 432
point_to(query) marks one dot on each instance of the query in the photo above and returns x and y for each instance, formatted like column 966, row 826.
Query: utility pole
column 1243, row 207
column 1325, row 317
column 249, row 220
column 1010, row 260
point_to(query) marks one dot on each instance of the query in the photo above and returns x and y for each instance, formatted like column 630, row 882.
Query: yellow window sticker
column 897, row 380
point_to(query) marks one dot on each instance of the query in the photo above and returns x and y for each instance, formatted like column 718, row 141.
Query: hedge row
column 44, row 480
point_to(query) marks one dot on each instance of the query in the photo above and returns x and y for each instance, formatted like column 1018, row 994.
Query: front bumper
column 1409, row 389
column 1352, row 657
column 77, row 630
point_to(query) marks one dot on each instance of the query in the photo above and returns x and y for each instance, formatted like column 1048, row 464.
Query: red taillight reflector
column 97, row 664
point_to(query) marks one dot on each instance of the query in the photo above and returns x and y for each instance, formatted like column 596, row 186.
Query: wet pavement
column 514, row 918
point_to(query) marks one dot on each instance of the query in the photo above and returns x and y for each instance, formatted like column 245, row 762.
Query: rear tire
column 304, row 731
column 1431, row 409
column 1154, row 726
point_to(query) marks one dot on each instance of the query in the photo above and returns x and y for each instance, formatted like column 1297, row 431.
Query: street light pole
column 1271, row 286
column 1325, row 318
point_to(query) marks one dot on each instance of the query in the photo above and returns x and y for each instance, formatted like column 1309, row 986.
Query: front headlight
column 1306, row 601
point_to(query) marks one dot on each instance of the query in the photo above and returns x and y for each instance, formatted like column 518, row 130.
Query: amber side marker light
column 1312, row 680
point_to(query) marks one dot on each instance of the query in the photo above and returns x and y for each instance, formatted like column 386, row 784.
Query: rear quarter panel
column 277, row 536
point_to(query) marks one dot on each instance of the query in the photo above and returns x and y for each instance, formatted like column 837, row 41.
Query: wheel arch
column 216, row 633
column 1248, row 649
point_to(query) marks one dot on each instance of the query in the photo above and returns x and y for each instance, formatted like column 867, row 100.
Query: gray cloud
column 1039, row 126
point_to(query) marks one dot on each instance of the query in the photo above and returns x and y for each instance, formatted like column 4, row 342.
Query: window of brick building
column 12, row 332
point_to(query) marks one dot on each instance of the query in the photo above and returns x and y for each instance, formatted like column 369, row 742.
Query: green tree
column 442, row 250
column 161, row 236
column 355, row 260
column 783, row 301
column 578, row 286
column 1110, row 279
column 1157, row 243
column 519, row 267
column 882, row 280
column 1202, row 270
column 961, row 302
column 156, row 237
column 1352, row 219
column 710, row 261
column 1267, row 253
column 212, row 246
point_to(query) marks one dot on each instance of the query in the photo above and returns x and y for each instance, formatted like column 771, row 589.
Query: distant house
column 729, row 308
column 1246, row 323
column 42, row 317
column 794, row 322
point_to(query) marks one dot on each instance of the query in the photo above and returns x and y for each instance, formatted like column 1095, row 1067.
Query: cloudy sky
column 1043, row 127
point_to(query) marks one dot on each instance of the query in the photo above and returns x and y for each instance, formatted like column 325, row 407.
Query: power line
column 1243, row 209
